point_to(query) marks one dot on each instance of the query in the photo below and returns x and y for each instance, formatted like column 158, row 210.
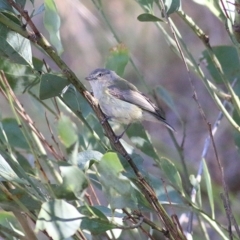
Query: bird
column 121, row 101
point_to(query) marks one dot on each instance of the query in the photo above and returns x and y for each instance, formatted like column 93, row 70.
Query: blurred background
column 87, row 40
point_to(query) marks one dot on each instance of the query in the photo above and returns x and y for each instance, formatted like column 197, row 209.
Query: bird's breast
column 119, row 110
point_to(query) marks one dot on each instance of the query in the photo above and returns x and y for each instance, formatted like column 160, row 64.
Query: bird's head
column 102, row 75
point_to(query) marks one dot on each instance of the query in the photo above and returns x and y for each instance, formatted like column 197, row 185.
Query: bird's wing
column 129, row 93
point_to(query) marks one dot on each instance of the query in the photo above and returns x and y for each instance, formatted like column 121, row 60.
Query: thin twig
column 22, row 113
column 94, row 194
column 52, row 135
column 227, row 200
column 133, row 219
column 203, row 156
column 228, row 214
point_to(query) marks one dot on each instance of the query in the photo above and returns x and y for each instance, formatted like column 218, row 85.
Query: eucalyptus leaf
column 93, row 137
column 92, row 211
column 8, row 203
column 118, row 59
column 172, row 6
column 117, row 187
column 171, row 172
column 19, row 76
column 96, row 225
column 141, row 139
column 229, row 60
column 166, row 194
column 74, row 180
column 7, row 173
column 51, row 85
column 4, row 5
column 109, row 212
column 146, row 4
column 39, row 10
column 59, row 219
column 84, row 158
column 67, row 131
column 52, row 23
column 15, row 47
column 208, row 182
column 14, row 135
column 147, row 17
column 21, row 3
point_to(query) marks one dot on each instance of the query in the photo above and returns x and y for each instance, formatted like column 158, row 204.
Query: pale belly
column 120, row 111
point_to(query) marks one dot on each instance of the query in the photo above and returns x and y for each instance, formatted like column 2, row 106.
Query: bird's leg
column 120, row 136
column 105, row 119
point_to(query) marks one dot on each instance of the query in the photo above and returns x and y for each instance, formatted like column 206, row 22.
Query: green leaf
column 208, row 182
column 96, row 225
column 39, row 10
column 229, row 60
column 15, row 136
column 4, row 5
column 8, row 220
column 236, row 134
column 146, row 4
column 141, row 139
column 74, row 181
column 51, row 85
column 67, row 131
column 75, row 101
column 24, row 163
column 84, row 158
column 172, row 6
column 147, row 17
column 59, row 219
column 14, row 46
column 171, row 173
column 12, row 16
column 21, row 3
column 118, row 59
column 38, row 64
column 166, row 194
column 18, row 76
column 91, row 211
column 20, row 195
column 166, row 97
column 52, row 23
column 108, row 212
column 7, row 173
column 94, row 137
column 117, row 187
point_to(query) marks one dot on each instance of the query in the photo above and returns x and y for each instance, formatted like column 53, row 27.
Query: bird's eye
column 100, row 75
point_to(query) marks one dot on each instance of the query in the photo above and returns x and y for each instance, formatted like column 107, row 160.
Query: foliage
column 70, row 178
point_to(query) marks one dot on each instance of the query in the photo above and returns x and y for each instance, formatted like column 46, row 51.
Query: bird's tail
column 168, row 126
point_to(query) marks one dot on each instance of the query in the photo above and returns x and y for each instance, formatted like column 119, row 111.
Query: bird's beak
column 90, row 78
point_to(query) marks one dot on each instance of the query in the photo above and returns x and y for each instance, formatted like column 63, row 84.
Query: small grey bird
column 121, row 101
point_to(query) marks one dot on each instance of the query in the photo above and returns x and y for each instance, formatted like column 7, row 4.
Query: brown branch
column 25, row 15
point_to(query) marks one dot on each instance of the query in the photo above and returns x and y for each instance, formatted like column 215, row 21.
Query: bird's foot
column 120, row 136
column 105, row 119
